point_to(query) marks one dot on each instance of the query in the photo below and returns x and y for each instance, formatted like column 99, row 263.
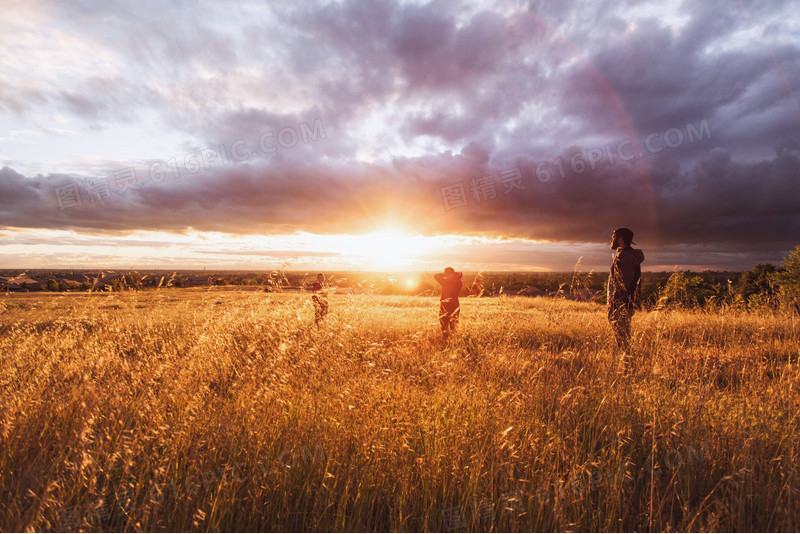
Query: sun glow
column 387, row 249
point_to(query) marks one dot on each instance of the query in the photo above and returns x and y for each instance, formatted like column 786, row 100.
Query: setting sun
column 387, row 249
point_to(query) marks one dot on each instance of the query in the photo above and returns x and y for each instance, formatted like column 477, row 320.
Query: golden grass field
column 229, row 410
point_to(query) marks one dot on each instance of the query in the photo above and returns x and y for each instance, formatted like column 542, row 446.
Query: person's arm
column 440, row 278
column 637, row 292
column 629, row 272
column 618, row 287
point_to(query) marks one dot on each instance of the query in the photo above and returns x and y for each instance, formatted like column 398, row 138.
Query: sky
column 398, row 134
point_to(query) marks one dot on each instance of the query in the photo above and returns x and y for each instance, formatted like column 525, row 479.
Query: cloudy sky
column 398, row 134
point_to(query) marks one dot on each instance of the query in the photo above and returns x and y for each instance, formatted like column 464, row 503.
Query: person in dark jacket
column 449, row 307
column 623, row 286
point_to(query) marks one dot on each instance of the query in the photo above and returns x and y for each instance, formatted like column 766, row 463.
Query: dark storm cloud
column 15, row 188
column 662, row 81
column 717, row 201
column 665, row 76
column 430, row 72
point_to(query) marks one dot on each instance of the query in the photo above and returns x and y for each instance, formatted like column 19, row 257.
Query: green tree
column 685, row 292
column 758, row 287
column 759, row 280
column 788, row 279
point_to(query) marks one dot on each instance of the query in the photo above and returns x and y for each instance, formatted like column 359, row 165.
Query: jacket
column 626, row 275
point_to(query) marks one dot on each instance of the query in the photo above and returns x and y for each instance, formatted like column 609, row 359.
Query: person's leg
column 454, row 315
column 317, row 308
column 624, row 338
column 449, row 312
column 625, row 329
column 444, row 319
column 620, row 320
column 612, row 318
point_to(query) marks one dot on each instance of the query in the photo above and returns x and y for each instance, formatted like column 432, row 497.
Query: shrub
column 757, row 287
column 684, row 292
column 788, row 279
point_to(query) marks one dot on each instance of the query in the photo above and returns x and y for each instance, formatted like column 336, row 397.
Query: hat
column 625, row 233
column 449, row 270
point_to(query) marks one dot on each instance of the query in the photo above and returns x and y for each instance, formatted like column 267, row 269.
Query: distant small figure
column 319, row 298
column 623, row 287
column 449, row 307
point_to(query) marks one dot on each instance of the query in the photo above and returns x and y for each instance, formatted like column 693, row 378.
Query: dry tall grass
column 197, row 410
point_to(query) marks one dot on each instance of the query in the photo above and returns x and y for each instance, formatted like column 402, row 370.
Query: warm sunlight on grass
column 210, row 410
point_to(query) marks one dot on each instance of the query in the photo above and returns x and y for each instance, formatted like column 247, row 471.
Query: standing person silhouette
column 623, row 288
column 319, row 298
column 449, row 307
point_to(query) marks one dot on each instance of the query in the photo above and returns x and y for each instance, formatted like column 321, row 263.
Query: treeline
column 757, row 288
column 764, row 286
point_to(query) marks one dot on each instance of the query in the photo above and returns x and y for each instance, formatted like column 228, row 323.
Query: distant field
column 199, row 409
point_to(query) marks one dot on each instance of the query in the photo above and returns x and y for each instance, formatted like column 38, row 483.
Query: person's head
column 449, row 271
column 621, row 238
column 321, row 277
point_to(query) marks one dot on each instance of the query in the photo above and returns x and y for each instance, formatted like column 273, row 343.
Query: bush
column 788, row 280
column 757, row 287
column 684, row 292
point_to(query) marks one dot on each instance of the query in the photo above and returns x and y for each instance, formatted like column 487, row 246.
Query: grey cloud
column 18, row 100
column 108, row 99
column 719, row 200
column 470, row 72
column 14, row 188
